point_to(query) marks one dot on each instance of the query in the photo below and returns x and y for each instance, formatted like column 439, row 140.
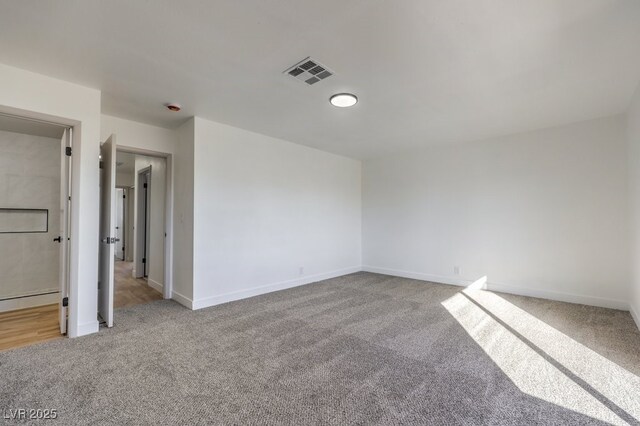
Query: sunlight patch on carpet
column 526, row 349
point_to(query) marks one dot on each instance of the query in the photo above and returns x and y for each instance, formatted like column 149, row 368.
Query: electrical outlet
column 456, row 270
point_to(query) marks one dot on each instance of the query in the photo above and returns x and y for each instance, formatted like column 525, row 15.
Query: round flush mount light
column 343, row 100
column 173, row 107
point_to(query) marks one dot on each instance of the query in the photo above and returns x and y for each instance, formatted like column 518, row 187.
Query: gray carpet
column 359, row 349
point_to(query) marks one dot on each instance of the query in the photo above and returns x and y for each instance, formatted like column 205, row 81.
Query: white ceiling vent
column 309, row 71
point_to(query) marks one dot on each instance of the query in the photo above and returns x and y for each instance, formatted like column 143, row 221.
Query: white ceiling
column 426, row 71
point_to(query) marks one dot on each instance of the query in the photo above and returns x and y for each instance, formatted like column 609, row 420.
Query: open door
column 65, row 226
column 107, row 230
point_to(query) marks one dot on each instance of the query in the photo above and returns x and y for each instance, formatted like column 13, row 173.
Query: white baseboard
column 183, row 300
column 86, row 328
column 440, row 279
column 256, row 291
column 560, row 296
column 635, row 314
column 155, row 285
column 29, row 302
column 521, row 291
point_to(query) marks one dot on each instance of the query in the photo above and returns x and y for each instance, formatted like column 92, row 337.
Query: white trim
column 634, row 315
column 521, row 291
column 440, row 279
column 29, row 302
column 155, row 285
column 560, row 296
column 87, row 328
column 183, row 300
column 256, row 291
column 168, row 226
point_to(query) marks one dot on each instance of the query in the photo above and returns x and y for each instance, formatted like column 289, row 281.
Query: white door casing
column 65, row 226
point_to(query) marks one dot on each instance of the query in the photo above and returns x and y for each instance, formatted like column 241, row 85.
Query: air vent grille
column 309, row 71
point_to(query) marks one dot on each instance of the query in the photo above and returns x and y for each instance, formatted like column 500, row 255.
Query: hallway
column 131, row 291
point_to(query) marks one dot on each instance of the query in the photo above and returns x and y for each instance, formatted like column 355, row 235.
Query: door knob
column 59, row 239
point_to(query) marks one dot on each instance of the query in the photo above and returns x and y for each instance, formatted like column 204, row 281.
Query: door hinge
column 144, row 260
column 145, row 185
column 67, row 151
column 65, row 301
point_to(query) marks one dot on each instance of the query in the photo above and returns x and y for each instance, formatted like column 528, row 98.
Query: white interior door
column 107, row 230
column 64, row 237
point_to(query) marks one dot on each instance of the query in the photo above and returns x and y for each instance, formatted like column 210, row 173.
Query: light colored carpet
column 359, row 349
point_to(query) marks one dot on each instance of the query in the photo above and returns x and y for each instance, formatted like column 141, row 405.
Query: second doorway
column 140, row 229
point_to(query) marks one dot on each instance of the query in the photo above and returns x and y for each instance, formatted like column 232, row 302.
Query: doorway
column 140, row 227
column 35, row 201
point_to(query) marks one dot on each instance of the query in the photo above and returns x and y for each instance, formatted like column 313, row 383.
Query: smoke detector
column 309, row 71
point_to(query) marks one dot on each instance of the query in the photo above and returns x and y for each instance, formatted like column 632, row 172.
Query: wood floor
column 25, row 327
column 28, row 326
column 131, row 291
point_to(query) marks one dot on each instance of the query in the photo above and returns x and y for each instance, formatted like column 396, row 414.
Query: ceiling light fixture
column 173, row 107
column 343, row 100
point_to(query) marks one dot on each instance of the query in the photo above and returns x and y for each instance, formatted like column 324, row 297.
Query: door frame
column 72, row 211
column 125, row 218
column 130, row 215
column 142, row 232
column 64, row 237
column 168, row 212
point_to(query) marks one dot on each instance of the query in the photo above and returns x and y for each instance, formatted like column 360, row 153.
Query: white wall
column 124, row 179
column 543, row 213
column 29, row 179
column 41, row 95
column 155, row 255
column 183, row 214
column 264, row 208
column 633, row 136
column 142, row 137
